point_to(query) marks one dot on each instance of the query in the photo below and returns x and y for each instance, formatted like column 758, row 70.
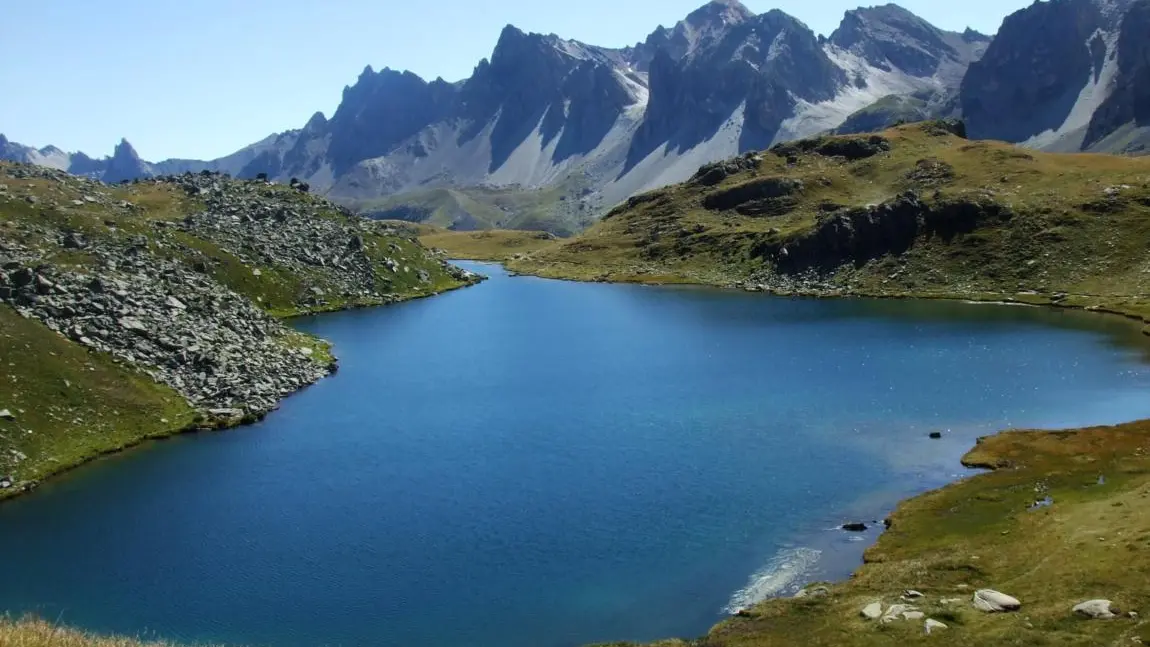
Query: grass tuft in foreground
column 33, row 632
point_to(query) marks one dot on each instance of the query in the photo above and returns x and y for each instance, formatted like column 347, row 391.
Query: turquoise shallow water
column 533, row 463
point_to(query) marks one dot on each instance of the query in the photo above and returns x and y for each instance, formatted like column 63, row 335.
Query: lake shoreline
column 219, row 424
column 874, row 544
column 981, row 461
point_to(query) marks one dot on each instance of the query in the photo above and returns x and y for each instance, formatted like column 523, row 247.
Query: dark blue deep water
column 533, row 463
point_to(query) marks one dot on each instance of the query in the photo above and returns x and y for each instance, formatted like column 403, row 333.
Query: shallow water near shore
column 534, row 463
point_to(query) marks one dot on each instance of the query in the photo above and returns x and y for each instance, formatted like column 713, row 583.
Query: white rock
column 1095, row 609
column 913, row 615
column 895, row 612
column 992, row 601
column 932, row 624
column 911, row 594
column 6, row 415
column 872, row 611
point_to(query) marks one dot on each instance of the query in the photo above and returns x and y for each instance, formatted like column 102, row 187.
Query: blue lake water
column 533, row 463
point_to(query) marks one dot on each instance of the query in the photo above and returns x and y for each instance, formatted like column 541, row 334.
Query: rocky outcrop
column 761, row 196
column 855, row 236
column 848, row 148
column 173, row 298
column 183, row 329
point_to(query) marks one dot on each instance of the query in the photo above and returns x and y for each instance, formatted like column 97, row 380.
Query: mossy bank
column 137, row 311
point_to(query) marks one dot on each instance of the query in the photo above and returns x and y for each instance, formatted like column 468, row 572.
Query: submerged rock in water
column 854, row 526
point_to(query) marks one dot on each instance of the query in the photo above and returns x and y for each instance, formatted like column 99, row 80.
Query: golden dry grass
column 34, row 632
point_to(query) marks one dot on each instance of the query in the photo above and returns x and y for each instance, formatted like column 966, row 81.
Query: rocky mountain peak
column 889, row 37
column 754, row 71
column 316, row 123
column 971, row 36
column 379, row 112
column 719, row 13
column 125, row 164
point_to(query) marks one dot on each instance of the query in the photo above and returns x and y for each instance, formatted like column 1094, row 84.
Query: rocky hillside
column 916, row 210
column 172, row 288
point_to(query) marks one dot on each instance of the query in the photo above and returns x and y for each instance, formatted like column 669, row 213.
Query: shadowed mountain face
column 568, row 93
column 1130, row 102
column 379, row 112
column 595, row 125
column 760, row 66
column 1031, row 75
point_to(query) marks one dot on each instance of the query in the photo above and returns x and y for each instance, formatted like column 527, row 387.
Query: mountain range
column 585, row 127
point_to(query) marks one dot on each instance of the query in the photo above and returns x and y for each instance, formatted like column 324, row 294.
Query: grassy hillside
column 70, row 405
column 885, row 112
column 492, row 245
column 84, row 380
column 559, row 210
column 914, row 211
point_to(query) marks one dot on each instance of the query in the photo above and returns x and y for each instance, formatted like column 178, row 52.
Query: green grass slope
column 557, row 210
column 916, row 211
column 70, row 405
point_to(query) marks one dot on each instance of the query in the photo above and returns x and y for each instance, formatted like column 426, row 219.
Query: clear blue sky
column 202, row 78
